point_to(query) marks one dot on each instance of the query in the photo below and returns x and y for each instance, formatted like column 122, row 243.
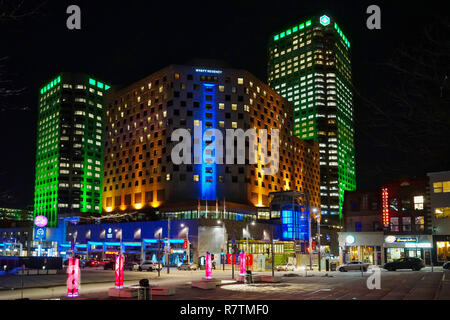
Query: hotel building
column 139, row 174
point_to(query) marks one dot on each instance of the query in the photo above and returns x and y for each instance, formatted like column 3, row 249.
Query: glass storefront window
column 443, row 250
column 354, row 253
column 367, row 254
column 394, row 254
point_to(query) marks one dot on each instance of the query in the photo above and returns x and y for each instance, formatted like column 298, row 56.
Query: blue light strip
column 132, row 244
column 208, row 170
column 95, row 243
column 81, row 245
column 176, row 240
column 112, row 243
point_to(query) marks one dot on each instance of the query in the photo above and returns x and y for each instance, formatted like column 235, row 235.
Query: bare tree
column 414, row 119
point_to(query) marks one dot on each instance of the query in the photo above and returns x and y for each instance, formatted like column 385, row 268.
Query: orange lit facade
column 140, row 119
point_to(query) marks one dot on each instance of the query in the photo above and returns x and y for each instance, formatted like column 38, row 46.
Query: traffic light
column 185, row 245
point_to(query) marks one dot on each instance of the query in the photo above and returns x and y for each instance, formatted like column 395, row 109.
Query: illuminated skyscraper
column 309, row 65
column 69, row 154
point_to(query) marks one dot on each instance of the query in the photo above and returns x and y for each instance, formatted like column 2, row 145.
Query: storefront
column 361, row 246
column 414, row 246
column 442, row 245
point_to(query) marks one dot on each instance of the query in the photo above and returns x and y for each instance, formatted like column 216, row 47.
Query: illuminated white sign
column 418, row 245
column 350, row 239
column 208, row 71
column 390, row 239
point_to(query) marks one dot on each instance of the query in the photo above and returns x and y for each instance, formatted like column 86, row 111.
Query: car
column 354, row 265
column 92, row 263
column 405, row 263
column 446, row 265
column 131, row 266
column 148, row 266
column 286, row 267
column 188, row 266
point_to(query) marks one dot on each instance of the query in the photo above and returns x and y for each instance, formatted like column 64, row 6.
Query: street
column 399, row 285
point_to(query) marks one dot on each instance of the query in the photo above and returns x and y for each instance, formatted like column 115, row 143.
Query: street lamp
column 223, row 246
column 188, row 249
column 117, row 230
column 317, row 215
column 248, row 250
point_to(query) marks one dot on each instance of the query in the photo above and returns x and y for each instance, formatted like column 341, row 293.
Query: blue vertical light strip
column 208, row 173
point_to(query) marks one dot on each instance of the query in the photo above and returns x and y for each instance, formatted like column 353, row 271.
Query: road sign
column 40, row 233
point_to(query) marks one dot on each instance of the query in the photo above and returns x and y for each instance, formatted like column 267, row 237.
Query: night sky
column 121, row 42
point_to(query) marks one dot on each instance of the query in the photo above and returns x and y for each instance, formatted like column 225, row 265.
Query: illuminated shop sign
column 385, row 205
column 350, row 239
column 394, row 239
column 40, row 221
column 40, row 234
column 418, row 245
column 208, row 71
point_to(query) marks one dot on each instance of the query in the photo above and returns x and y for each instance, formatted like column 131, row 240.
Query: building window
column 443, row 186
column 420, row 223
column 196, row 177
column 358, row 226
column 394, row 224
column 418, row 203
column 406, row 221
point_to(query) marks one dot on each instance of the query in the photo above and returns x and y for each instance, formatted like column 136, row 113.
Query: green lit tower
column 69, row 154
column 309, row 64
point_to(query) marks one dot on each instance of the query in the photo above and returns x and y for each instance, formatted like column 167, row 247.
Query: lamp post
column 317, row 215
column 248, row 250
column 121, row 245
column 188, row 249
column 223, row 256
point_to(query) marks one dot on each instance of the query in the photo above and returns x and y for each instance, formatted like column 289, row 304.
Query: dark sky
column 121, row 42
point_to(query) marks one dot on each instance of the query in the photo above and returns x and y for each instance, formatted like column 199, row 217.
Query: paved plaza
column 399, row 285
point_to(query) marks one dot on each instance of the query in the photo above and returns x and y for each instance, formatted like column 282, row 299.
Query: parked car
column 132, row 266
column 188, row 266
column 354, row 265
column 148, row 266
column 92, row 263
column 405, row 263
column 446, row 265
column 286, row 267
column 82, row 263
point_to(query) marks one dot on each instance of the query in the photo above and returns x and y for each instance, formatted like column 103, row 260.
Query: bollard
column 144, row 291
column 249, row 277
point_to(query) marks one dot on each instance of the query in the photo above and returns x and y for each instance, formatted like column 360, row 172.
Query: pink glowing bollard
column 208, row 266
column 73, row 280
column 118, row 267
column 243, row 258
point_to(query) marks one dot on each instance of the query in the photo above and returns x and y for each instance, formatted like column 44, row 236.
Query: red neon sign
column 118, row 273
column 385, row 205
column 73, row 281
